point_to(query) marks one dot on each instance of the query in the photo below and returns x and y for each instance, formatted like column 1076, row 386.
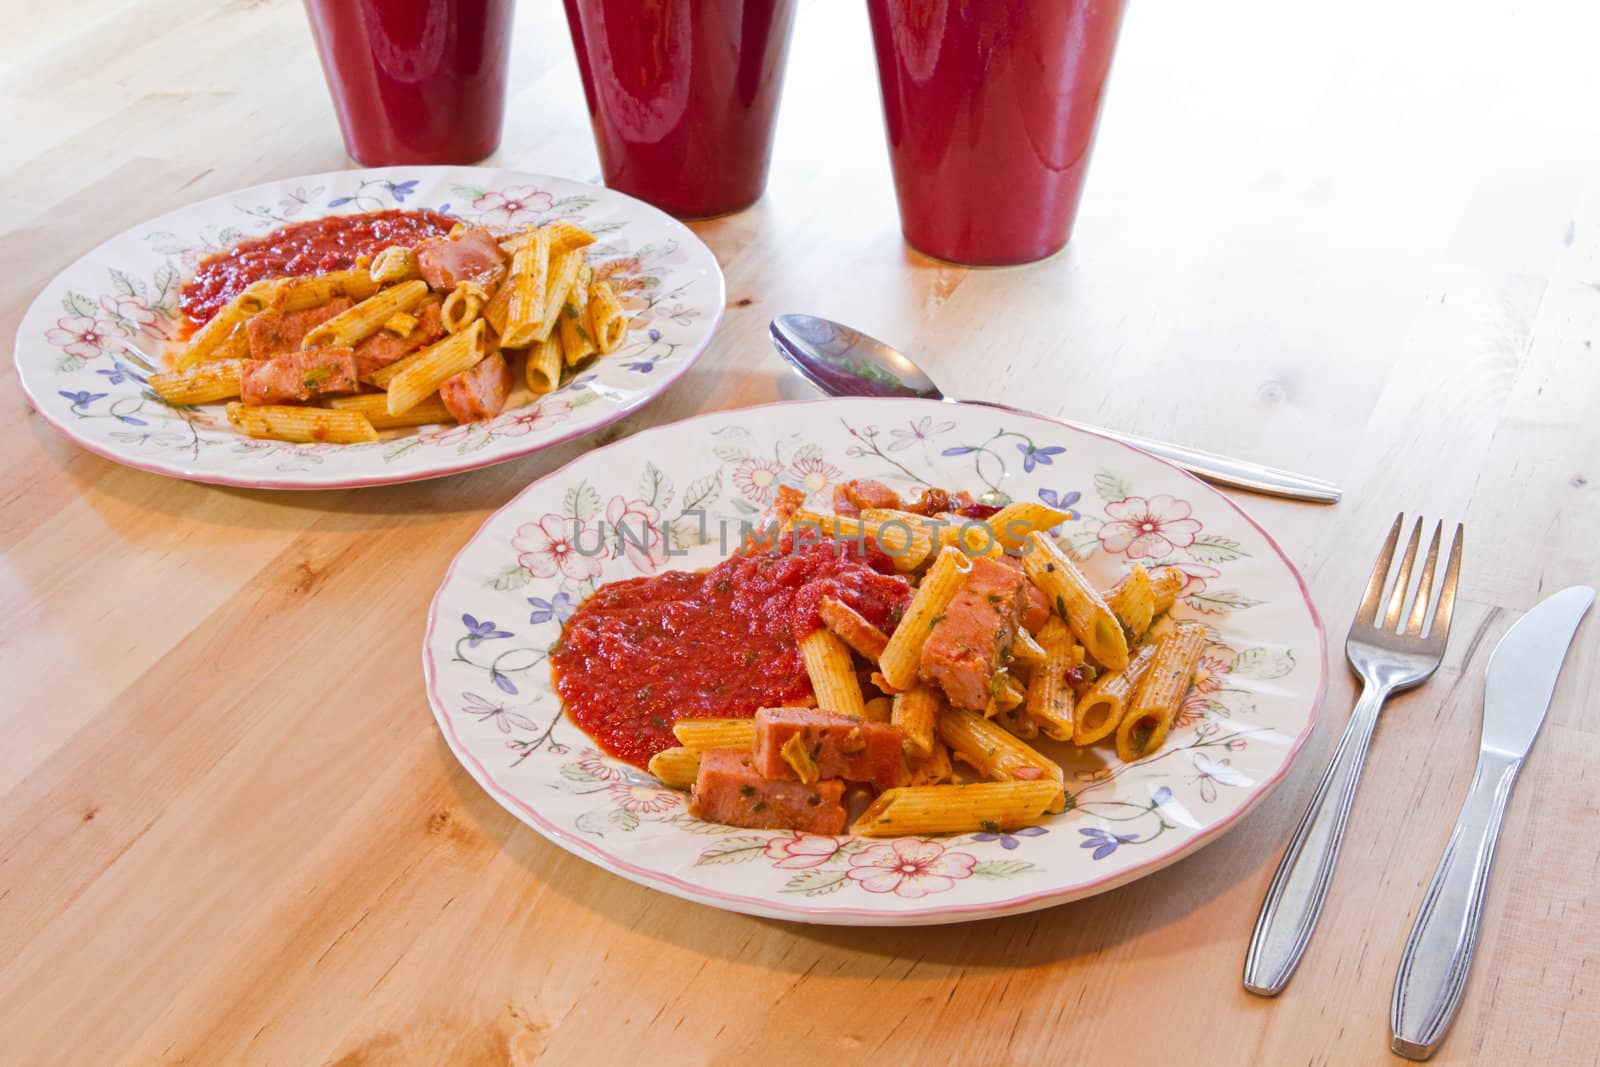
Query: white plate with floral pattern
column 73, row 369
column 505, row 597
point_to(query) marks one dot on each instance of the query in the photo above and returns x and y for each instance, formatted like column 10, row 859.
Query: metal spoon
column 845, row 362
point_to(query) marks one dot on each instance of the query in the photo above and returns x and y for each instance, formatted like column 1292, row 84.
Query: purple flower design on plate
column 559, row 607
column 401, row 190
column 1009, row 841
column 1103, row 843
column 1033, row 455
column 654, row 334
column 487, row 711
column 481, row 631
column 119, row 373
column 580, row 383
column 82, row 398
column 1062, row 501
column 643, row 366
column 918, row 430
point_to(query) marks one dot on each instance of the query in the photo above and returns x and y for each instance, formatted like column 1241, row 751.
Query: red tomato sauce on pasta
column 315, row 246
column 721, row 643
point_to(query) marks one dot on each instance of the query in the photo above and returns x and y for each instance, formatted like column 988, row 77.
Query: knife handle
column 1433, row 968
column 1300, row 887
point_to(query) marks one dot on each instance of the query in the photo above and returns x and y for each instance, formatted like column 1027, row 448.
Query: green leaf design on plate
column 655, row 487
column 732, row 850
column 1214, row 548
column 581, row 502
column 1111, row 486
column 623, row 820
column 1263, row 663
column 703, row 492
column 512, row 576
column 77, row 304
column 816, row 883
column 996, row 869
column 1220, row 601
column 574, row 772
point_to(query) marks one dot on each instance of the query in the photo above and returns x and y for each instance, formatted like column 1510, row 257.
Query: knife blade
column 1517, row 687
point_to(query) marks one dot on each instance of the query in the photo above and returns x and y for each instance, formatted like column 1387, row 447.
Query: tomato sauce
column 721, row 643
column 315, row 246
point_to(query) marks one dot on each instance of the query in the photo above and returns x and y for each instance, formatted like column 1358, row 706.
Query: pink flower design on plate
column 1148, row 529
column 82, row 336
column 633, row 524
column 133, row 309
column 503, row 210
column 1196, row 575
column 595, row 765
column 644, row 799
column 802, row 850
column 1211, row 679
column 814, row 473
column 550, row 547
column 756, row 477
column 909, row 867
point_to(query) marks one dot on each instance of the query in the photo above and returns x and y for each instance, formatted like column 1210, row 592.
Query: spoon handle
column 1220, row 470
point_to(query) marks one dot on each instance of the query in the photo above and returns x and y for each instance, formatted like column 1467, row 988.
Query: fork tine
column 1419, row 607
column 1447, row 596
column 136, row 355
column 1397, row 599
column 1380, row 572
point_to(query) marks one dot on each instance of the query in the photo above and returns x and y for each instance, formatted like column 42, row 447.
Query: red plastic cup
column 991, row 110
column 415, row 81
column 683, row 95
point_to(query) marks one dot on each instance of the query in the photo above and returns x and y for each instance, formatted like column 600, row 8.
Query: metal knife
column 1516, row 694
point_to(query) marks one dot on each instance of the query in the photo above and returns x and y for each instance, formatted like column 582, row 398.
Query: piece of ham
column 273, row 332
column 849, row 498
column 969, row 641
column 480, row 391
column 729, row 790
column 444, row 262
column 385, row 347
column 841, row 746
column 298, row 376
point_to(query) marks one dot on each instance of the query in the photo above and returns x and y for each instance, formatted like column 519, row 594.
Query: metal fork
column 1388, row 658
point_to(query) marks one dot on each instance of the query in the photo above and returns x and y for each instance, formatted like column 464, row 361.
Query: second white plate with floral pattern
column 504, row 600
column 71, row 364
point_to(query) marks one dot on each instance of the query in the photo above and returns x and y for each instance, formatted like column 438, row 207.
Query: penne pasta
column 394, row 264
column 933, row 768
column 494, row 312
column 1014, row 522
column 1096, row 628
column 401, row 323
column 421, row 378
column 375, row 406
column 564, row 270
column 543, row 367
column 1050, row 698
column 676, row 767
column 302, row 424
column 1100, row 710
column 205, row 384
column 561, row 234
column 880, row 709
column 608, row 323
column 576, row 344
column 906, row 547
column 1165, row 586
column 901, row 659
column 1155, row 703
column 349, row 328
column 1133, row 601
column 463, row 306
column 298, row 294
column 525, row 310
column 916, row 713
column 832, row 673
column 949, row 809
column 701, row 734
column 203, row 346
column 993, row 752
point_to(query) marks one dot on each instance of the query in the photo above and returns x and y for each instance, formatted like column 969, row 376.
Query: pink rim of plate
column 766, row 908
column 174, row 470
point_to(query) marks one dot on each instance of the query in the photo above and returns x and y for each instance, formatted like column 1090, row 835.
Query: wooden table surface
column 1359, row 240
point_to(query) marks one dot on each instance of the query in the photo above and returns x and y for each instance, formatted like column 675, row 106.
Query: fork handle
column 1433, row 968
column 1294, row 900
